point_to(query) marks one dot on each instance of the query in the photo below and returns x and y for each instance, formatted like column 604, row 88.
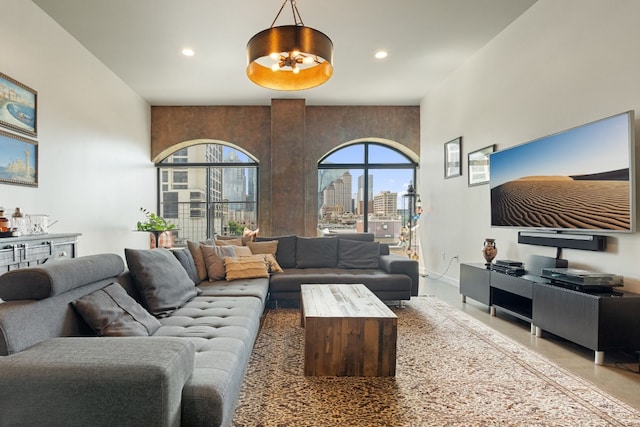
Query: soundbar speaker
column 588, row 242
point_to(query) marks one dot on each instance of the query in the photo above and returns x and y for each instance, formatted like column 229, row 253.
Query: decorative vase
column 489, row 251
column 4, row 222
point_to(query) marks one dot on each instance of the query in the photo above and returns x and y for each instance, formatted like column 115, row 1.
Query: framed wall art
column 18, row 160
column 18, row 106
column 453, row 158
column 478, row 164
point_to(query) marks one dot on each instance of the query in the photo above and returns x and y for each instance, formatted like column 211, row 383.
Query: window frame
column 366, row 167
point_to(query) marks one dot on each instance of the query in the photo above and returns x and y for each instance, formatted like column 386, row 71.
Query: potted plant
column 158, row 227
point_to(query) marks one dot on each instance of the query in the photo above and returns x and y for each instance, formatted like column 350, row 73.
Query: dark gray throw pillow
column 357, row 254
column 111, row 312
column 316, row 252
column 164, row 285
column 186, row 260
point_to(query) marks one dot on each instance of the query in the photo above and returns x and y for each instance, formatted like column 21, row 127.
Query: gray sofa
column 347, row 258
column 191, row 338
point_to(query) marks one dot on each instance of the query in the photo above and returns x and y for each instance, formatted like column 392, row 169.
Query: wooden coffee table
column 348, row 332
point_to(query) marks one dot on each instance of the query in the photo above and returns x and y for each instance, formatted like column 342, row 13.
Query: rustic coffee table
column 348, row 332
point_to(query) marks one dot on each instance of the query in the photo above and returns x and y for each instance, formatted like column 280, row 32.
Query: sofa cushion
column 316, row 252
column 245, row 267
column 54, row 278
column 164, row 285
column 363, row 237
column 286, row 252
column 214, row 260
column 358, row 254
column 111, row 312
column 186, row 260
column 198, row 260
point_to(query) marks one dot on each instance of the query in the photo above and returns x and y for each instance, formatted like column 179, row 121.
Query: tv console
column 600, row 321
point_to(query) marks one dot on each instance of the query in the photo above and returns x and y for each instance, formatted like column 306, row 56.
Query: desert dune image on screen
column 577, row 179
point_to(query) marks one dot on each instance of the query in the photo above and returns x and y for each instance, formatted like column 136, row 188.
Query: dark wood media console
column 599, row 321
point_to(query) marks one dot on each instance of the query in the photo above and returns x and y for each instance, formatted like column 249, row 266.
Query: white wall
column 93, row 132
column 561, row 64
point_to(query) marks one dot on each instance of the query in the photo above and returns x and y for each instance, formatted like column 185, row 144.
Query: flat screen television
column 581, row 179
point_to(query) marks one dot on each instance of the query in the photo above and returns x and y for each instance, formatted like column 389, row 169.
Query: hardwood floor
column 618, row 376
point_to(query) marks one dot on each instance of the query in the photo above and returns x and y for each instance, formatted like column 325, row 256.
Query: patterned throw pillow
column 272, row 264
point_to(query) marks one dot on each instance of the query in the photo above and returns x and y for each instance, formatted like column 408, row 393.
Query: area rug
column 452, row 370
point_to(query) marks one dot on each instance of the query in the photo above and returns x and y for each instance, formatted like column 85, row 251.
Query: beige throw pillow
column 242, row 251
column 245, row 267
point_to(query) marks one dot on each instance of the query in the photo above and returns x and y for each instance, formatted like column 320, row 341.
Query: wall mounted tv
column 581, row 179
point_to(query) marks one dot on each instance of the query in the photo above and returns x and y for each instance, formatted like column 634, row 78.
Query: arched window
column 361, row 188
column 207, row 190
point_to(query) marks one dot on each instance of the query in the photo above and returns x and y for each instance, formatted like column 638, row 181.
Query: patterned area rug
column 451, row 371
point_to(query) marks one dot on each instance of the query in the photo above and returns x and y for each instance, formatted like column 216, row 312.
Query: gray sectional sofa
column 88, row 342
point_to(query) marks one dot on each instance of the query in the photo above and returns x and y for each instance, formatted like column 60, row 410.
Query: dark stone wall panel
column 288, row 139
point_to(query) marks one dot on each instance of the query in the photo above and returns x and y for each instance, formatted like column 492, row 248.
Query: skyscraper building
column 360, row 198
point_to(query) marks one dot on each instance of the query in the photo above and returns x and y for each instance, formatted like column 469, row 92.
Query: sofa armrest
column 96, row 381
column 398, row 264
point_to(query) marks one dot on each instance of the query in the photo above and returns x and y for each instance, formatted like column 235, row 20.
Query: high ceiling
column 141, row 42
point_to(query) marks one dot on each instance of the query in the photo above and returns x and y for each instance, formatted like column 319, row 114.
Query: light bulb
column 275, row 67
column 308, row 60
column 275, row 56
column 296, row 70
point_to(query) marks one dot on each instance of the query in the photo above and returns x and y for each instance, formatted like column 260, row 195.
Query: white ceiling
column 141, row 41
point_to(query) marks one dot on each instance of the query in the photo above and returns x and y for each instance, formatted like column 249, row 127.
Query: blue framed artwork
column 18, row 160
column 18, row 106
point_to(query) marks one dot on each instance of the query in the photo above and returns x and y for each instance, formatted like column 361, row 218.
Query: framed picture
column 18, row 106
column 478, row 164
column 453, row 158
column 18, row 160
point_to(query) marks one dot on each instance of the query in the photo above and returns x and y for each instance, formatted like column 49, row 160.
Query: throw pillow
column 214, row 258
column 316, row 252
column 358, row 254
column 229, row 242
column 286, row 253
column 268, row 247
column 245, row 267
column 186, row 260
column 198, row 260
column 111, row 312
column 163, row 283
column 242, row 251
column 272, row 264
column 249, row 234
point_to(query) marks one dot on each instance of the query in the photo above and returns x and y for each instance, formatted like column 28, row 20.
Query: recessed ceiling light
column 381, row 54
column 188, row 52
